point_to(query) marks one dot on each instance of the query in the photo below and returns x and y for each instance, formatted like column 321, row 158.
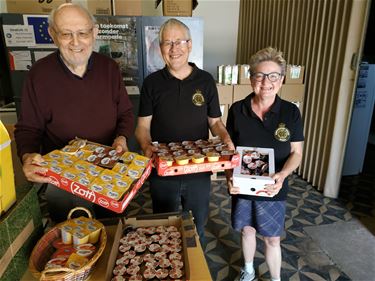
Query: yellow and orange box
column 78, row 169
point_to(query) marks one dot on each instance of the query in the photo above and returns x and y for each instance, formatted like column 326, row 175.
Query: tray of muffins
column 189, row 157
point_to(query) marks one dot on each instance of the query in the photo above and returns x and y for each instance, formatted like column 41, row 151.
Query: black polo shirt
column 247, row 129
column 179, row 108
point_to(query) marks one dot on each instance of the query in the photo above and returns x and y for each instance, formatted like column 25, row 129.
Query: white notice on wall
column 19, row 35
column 20, row 60
column 41, row 54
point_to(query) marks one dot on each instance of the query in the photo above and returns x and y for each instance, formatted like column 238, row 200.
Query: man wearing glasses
column 179, row 103
column 71, row 92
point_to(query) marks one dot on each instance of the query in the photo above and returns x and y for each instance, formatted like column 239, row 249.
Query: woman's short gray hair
column 173, row 22
column 51, row 18
column 268, row 54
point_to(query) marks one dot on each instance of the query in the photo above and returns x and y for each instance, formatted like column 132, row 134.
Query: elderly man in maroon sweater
column 72, row 92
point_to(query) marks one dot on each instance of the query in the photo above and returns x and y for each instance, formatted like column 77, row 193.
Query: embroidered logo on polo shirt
column 282, row 133
column 198, row 98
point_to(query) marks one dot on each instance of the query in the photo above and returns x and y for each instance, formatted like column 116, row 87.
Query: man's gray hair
column 51, row 18
column 171, row 23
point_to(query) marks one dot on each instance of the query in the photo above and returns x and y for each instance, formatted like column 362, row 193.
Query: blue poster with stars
column 40, row 26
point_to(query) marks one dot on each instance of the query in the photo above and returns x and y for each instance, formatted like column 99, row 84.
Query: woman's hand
column 274, row 189
column 231, row 189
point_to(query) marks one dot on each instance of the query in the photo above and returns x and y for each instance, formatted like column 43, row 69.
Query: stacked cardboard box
column 294, row 89
column 96, row 7
column 180, row 8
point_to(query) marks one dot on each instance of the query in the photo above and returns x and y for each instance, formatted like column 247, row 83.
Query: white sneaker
column 245, row 276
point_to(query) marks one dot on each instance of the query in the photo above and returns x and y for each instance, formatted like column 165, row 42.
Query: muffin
column 168, row 159
column 182, row 160
column 213, row 156
column 198, row 158
column 227, row 154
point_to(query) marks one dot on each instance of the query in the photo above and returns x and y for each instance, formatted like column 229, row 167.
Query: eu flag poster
column 40, row 26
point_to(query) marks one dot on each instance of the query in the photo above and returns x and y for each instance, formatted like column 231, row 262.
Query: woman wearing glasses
column 264, row 120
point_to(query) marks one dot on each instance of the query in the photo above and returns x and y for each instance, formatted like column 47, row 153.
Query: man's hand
column 32, row 171
column 230, row 144
column 149, row 149
column 120, row 144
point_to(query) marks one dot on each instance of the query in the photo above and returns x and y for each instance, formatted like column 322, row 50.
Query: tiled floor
column 302, row 257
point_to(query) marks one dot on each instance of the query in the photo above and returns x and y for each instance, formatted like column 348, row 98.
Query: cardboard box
column 244, row 74
column 86, row 169
column 98, row 7
column 195, row 264
column 257, row 165
column 293, row 92
column 127, row 7
column 179, row 8
column 294, row 74
column 98, row 198
column 164, row 170
column 241, row 91
column 7, row 184
column 32, row 6
column 20, row 229
column 225, row 93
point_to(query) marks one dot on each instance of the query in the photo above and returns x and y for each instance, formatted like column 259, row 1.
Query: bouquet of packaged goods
column 69, row 251
column 98, row 173
column 255, row 171
column 188, row 157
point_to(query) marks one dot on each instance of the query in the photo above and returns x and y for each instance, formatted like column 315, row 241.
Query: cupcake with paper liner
column 213, row 156
column 198, row 158
column 182, row 160
column 168, row 159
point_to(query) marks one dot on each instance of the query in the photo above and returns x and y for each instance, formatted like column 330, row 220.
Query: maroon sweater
column 57, row 105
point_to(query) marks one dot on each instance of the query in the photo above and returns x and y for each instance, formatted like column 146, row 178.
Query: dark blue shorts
column 267, row 217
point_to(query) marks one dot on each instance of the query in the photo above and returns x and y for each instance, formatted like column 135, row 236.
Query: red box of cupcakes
column 188, row 157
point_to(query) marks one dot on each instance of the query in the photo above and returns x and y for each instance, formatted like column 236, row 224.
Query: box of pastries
column 255, row 171
column 98, row 173
column 157, row 247
column 188, row 157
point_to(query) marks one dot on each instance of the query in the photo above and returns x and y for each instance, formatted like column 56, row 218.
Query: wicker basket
column 44, row 249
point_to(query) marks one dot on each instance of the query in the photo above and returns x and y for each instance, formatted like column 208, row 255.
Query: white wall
column 220, row 32
column 220, row 29
column 3, row 7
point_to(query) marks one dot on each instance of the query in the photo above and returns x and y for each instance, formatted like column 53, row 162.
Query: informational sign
column 20, row 60
column 18, row 35
column 117, row 38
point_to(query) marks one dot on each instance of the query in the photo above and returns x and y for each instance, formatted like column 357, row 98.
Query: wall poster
column 117, row 39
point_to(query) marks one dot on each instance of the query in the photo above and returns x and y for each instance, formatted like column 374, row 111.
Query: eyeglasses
column 177, row 43
column 69, row 35
column 272, row 76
